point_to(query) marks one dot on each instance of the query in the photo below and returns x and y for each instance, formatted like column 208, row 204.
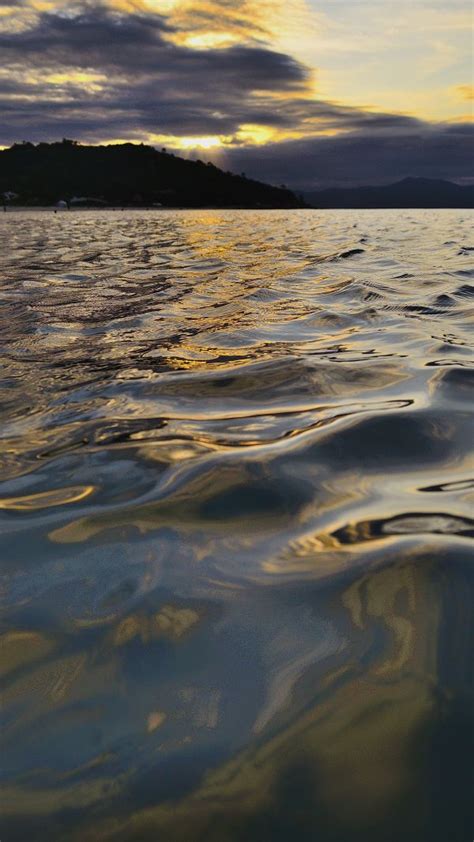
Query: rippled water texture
column 236, row 512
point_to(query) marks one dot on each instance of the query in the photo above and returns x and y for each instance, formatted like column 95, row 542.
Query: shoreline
column 9, row 209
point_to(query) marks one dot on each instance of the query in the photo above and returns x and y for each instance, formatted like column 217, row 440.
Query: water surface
column 236, row 501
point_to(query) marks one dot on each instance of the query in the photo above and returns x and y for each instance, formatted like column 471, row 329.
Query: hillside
column 409, row 193
column 127, row 174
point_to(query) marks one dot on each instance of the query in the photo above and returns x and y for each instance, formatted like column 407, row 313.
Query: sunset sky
column 307, row 92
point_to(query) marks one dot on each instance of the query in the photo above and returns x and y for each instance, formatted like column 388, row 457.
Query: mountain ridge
column 409, row 192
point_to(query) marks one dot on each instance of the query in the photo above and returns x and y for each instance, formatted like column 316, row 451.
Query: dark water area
column 236, row 512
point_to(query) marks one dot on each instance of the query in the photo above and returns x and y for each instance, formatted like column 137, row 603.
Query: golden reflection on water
column 45, row 499
column 236, row 505
column 18, row 648
column 170, row 622
column 352, row 749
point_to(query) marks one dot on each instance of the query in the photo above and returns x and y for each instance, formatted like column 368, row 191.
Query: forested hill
column 126, row 174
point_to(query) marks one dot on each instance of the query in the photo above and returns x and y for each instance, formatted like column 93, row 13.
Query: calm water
column 236, row 503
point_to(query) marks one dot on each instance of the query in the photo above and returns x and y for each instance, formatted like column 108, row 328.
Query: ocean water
column 236, row 501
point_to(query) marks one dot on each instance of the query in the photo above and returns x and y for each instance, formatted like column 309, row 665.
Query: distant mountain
column 409, row 193
column 126, row 174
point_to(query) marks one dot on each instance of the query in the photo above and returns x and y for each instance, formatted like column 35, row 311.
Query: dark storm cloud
column 134, row 45
column 95, row 33
column 150, row 83
column 364, row 157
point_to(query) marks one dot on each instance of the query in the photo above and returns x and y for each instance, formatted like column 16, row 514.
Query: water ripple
column 236, row 506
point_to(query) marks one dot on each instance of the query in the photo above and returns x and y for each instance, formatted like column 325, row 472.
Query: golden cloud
column 465, row 91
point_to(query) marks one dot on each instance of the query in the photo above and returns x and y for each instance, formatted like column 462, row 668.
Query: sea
column 236, row 515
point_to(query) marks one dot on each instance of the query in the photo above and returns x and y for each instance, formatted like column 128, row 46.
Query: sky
column 310, row 93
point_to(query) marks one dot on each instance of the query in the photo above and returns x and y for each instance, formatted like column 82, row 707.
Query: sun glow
column 256, row 135
column 210, row 142
column 184, row 142
column 248, row 134
column 204, row 40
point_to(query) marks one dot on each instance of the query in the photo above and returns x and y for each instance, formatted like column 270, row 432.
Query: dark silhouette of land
column 126, row 175
column 138, row 175
column 409, row 193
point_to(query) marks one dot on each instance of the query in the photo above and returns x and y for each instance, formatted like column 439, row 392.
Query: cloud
column 101, row 37
column 364, row 156
column 164, row 70
column 149, row 84
column 465, row 91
